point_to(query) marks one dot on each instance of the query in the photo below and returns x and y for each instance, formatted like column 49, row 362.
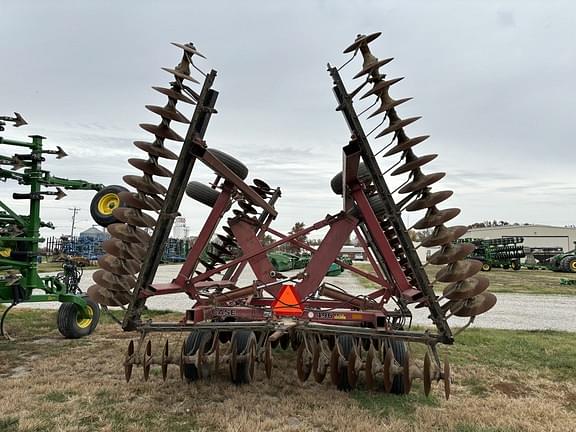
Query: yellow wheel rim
column 108, row 203
column 573, row 266
column 85, row 321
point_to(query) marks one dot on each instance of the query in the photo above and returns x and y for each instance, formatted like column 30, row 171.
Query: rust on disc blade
column 459, row 270
column 466, row 288
column 189, row 49
column 145, row 185
column 104, row 297
column 180, row 75
column 156, row 150
column 413, row 164
column 128, row 233
column 435, row 217
column 131, row 199
column 119, row 266
column 361, row 40
column 443, row 235
column 173, row 94
column 397, row 125
column 451, row 253
column 388, row 105
column 406, row 144
column 149, row 167
column 429, row 199
column 381, row 87
column 113, row 282
column 133, row 217
column 161, row 131
column 474, row 306
column 167, row 113
column 420, row 182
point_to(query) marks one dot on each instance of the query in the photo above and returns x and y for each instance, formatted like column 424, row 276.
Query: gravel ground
column 513, row 311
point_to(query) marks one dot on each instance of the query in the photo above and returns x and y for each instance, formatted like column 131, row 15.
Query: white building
column 535, row 236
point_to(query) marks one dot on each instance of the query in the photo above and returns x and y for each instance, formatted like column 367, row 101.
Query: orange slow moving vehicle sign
column 287, row 303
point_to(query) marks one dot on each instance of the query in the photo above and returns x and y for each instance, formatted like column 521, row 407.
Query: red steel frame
column 339, row 307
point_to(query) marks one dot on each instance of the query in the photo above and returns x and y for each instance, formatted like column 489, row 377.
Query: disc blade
column 420, row 182
column 119, row 266
column 261, row 184
column 381, row 87
column 189, row 48
column 413, row 164
column 406, row 144
column 156, row 150
column 397, row 125
column 132, row 200
column 466, row 288
column 459, row 270
column 388, row 104
column 104, row 297
column 145, row 184
column 113, row 282
column 372, row 67
column 181, row 75
column 167, row 113
column 429, row 199
column 474, row 306
column 173, row 94
column 247, row 207
column 128, row 233
column 161, row 131
column 150, row 167
column 435, row 217
column 361, row 40
column 443, row 235
column 133, row 217
column 451, row 253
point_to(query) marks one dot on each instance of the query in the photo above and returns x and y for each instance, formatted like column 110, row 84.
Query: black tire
column 194, row 341
column 336, row 182
column 202, row 193
column 346, row 344
column 104, row 202
column 241, row 340
column 399, row 350
column 568, row 264
column 516, row 265
column 71, row 323
column 377, row 205
column 231, row 162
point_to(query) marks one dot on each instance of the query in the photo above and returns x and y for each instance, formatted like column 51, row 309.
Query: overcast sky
column 493, row 80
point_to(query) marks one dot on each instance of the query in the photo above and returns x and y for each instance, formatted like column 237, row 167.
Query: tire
column 241, row 340
column 234, row 164
column 193, row 342
column 336, row 182
column 72, row 325
column 377, row 204
column 104, row 202
column 346, row 344
column 399, row 350
column 568, row 264
column 202, row 193
column 486, row 267
column 516, row 265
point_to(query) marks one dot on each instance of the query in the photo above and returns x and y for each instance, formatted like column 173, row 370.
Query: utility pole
column 74, row 211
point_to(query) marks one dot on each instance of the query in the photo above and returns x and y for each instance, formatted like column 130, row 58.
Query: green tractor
column 20, row 235
column 564, row 262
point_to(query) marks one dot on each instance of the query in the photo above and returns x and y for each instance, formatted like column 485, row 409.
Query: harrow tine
column 129, row 361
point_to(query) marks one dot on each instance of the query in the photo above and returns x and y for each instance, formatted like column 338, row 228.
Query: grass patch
column 392, row 406
column 9, row 424
column 476, row 428
column 524, row 281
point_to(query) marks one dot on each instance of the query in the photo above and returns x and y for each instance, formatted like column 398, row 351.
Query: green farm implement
column 504, row 252
column 564, row 262
column 20, row 254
